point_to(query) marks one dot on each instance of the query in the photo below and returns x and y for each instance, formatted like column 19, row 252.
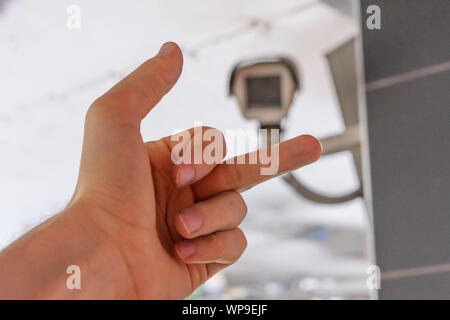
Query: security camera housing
column 265, row 88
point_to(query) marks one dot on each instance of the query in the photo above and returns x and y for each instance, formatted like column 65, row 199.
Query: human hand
column 174, row 226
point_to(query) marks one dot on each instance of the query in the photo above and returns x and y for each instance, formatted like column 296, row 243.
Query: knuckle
column 241, row 203
column 237, row 205
column 99, row 109
column 232, row 177
column 162, row 82
column 216, row 137
column 243, row 240
column 111, row 111
column 95, row 108
column 217, row 244
column 141, row 93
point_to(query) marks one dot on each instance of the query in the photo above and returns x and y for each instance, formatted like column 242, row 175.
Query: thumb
column 133, row 97
column 114, row 154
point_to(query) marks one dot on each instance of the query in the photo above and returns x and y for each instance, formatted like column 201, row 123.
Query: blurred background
column 50, row 74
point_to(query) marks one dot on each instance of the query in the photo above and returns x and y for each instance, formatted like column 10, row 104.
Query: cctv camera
column 265, row 88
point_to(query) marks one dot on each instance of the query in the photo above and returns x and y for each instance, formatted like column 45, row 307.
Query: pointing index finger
column 293, row 154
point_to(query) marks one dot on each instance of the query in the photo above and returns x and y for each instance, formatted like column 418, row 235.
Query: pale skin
column 139, row 226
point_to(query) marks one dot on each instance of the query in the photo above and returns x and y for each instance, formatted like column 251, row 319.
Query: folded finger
column 221, row 247
column 222, row 212
column 195, row 153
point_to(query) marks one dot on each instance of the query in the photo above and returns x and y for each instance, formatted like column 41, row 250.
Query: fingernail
column 185, row 175
column 191, row 219
column 321, row 147
column 165, row 48
column 185, row 249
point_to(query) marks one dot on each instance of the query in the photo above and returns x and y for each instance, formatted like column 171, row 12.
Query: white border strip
column 365, row 148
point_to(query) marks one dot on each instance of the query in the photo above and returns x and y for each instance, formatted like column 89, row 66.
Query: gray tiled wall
column 407, row 72
column 414, row 34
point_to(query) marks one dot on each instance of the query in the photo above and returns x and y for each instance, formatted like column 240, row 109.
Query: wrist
column 36, row 266
column 104, row 270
